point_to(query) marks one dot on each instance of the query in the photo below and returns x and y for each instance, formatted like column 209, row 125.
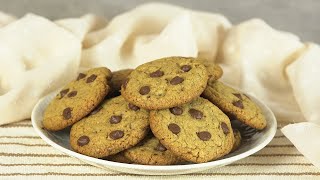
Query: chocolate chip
column 176, row 80
column 238, row 104
column 144, row 90
column 115, row 119
column 81, row 76
column 176, row 110
column 91, row 78
column 72, row 93
column 195, row 113
column 63, row 92
column 117, row 134
column 160, row 147
column 225, row 128
column 67, row 113
column 174, row 128
column 185, row 68
column 157, row 73
column 204, row 135
column 133, row 107
column 125, row 82
column 238, row 95
column 83, row 140
column 95, row 111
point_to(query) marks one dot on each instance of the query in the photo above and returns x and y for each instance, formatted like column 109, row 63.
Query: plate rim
column 106, row 163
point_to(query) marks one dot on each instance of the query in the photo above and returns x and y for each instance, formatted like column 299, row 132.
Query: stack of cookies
column 179, row 99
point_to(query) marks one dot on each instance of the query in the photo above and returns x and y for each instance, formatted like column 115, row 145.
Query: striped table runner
column 25, row 155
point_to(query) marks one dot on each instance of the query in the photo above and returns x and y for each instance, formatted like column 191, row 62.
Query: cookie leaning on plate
column 235, row 103
column 165, row 83
column 151, row 152
column 115, row 126
column 77, row 99
column 197, row 131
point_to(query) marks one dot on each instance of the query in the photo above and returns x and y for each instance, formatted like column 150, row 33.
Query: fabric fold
column 304, row 137
column 303, row 75
column 83, row 25
column 6, row 19
column 36, row 57
column 152, row 31
column 254, row 57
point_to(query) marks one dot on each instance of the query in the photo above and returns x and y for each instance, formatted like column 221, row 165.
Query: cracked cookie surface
column 197, row 131
column 235, row 103
column 151, row 152
column 77, row 99
column 115, row 126
column 165, row 83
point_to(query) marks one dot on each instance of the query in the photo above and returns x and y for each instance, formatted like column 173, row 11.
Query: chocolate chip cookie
column 151, row 152
column 77, row 99
column 235, row 103
column 118, row 78
column 165, row 83
column 197, row 131
column 116, row 126
column 214, row 70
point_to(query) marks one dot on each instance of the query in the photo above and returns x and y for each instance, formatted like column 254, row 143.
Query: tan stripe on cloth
column 24, row 154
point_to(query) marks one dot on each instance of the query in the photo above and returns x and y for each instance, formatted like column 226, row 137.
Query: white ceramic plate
column 254, row 141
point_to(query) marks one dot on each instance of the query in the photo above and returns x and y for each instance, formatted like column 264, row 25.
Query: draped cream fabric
column 83, row 25
column 153, row 31
column 254, row 58
column 304, row 78
column 38, row 56
column 6, row 19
